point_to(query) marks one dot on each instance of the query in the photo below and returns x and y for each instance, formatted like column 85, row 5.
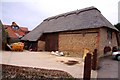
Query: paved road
column 119, row 70
column 108, row 68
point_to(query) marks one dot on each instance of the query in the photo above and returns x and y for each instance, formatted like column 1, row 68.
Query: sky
column 119, row 11
column 30, row 13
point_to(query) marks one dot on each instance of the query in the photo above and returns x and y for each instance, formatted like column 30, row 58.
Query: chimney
column 14, row 24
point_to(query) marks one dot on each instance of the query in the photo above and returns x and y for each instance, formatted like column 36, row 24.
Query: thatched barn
column 73, row 32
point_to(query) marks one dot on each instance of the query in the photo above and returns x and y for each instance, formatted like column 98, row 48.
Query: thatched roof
column 85, row 18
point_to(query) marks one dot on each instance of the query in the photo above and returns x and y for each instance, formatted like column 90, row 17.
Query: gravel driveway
column 43, row 60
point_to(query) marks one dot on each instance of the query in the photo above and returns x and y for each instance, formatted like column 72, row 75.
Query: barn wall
column 41, row 43
column 114, row 39
column 104, row 41
column 41, row 46
column 118, row 38
column 75, row 43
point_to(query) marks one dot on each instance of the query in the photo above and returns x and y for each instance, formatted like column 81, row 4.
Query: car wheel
column 118, row 57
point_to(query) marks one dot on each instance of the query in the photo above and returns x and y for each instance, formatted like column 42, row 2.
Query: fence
column 91, row 62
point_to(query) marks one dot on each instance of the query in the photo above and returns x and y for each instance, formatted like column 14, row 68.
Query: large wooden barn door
column 51, row 42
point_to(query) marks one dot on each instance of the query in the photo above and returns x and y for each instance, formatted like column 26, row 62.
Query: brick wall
column 41, row 46
column 105, row 42
column 74, row 44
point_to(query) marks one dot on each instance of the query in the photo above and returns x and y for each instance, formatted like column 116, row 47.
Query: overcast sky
column 30, row 13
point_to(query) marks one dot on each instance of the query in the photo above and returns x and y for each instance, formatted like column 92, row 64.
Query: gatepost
column 87, row 67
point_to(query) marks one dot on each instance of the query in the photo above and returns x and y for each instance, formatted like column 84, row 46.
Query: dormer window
column 15, row 27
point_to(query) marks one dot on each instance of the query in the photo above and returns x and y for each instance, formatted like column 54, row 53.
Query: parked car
column 116, row 55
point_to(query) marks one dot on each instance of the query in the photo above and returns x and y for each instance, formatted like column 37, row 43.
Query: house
column 74, row 32
column 15, row 33
column 3, row 37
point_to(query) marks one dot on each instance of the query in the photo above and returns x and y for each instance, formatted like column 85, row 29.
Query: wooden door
column 51, row 42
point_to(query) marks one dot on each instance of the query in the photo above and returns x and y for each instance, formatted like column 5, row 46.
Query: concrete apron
column 44, row 60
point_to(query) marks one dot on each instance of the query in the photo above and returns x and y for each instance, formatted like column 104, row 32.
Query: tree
column 117, row 26
column 3, row 37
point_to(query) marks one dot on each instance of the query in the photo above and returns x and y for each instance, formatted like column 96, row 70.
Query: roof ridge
column 78, row 11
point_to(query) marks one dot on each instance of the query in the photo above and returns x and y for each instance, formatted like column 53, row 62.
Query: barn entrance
column 51, row 42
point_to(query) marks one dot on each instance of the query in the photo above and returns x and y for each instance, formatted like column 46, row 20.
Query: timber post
column 94, row 60
column 87, row 67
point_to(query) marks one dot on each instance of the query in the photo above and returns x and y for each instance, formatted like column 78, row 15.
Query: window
column 109, row 34
column 15, row 27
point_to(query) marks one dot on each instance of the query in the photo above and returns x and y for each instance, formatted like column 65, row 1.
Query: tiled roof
column 15, row 33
